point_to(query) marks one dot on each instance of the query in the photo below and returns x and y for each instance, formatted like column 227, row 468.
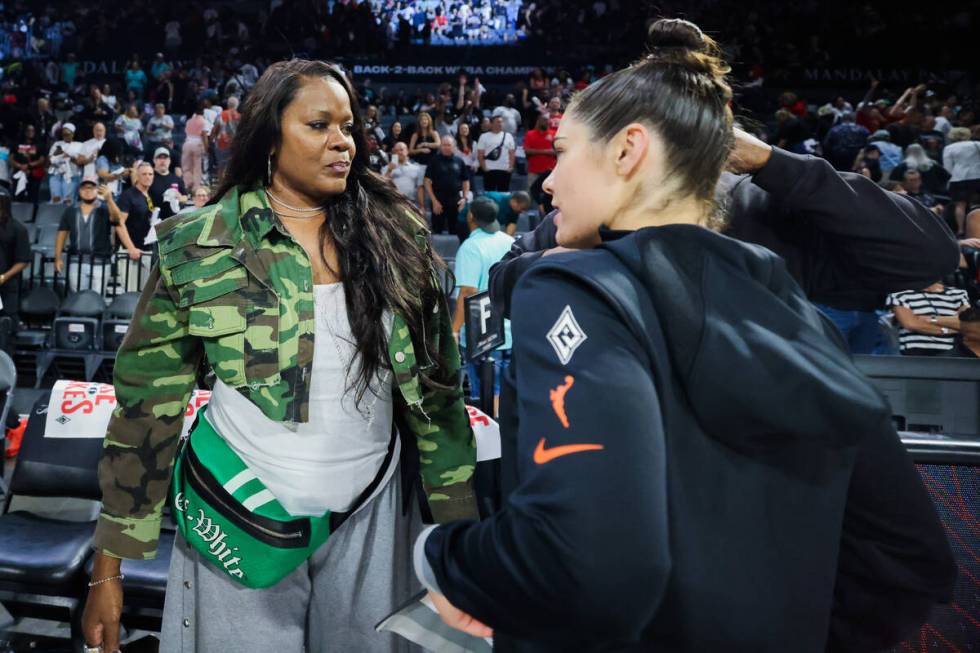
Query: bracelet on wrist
column 106, row 580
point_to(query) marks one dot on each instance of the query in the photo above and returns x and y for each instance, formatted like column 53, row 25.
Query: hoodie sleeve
column 523, row 253
column 895, row 242
column 565, row 558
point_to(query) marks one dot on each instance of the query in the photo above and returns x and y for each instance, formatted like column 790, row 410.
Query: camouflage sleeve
column 154, row 375
column 448, row 478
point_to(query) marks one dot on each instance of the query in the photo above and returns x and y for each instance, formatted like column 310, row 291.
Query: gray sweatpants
column 330, row 604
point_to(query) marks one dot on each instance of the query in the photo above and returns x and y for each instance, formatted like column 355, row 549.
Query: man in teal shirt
column 485, row 246
column 509, row 208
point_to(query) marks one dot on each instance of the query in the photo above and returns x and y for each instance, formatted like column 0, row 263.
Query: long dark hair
column 6, row 210
column 680, row 89
column 381, row 264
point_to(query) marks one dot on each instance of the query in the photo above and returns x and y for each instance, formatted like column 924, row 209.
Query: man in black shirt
column 15, row 255
column 447, row 183
column 133, row 216
column 164, row 180
column 89, row 230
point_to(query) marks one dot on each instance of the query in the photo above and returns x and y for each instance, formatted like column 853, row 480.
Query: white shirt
column 63, row 164
column 407, row 177
column 488, row 141
column 325, row 463
column 90, row 149
column 962, row 160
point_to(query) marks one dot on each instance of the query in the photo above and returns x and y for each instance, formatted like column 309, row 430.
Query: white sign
column 79, row 409
column 487, row 433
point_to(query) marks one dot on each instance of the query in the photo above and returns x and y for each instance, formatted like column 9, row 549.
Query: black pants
column 445, row 222
column 498, row 180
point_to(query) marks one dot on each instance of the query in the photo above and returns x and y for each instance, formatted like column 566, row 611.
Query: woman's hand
column 100, row 620
column 456, row 618
column 749, row 153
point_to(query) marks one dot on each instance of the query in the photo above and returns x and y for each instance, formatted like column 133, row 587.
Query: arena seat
column 8, row 383
column 75, row 335
column 445, row 245
column 48, row 213
column 37, row 309
column 22, row 211
column 116, row 319
column 42, row 559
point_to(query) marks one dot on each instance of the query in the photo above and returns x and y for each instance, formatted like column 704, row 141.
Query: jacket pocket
column 262, row 365
column 221, row 323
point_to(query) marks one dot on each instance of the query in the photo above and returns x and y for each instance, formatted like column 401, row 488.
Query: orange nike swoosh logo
column 542, row 455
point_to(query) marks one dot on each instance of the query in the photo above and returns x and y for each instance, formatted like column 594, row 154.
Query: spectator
column 934, row 176
column 425, row 140
column 88, row 230
column 539, row 149
column 90, row 149
column 406, row 174
column 509, row 208
column 109, row 167
column 128, row 127
column 912, row 183
column 377, row 159
column 201, row 196
column 29, row 159
column 929, row 320
column 891, row 154
column 44, row 121
column 167, row 190
column 844, row 141
column 15, row 255
column 136, row 79
column 962, row 159
column 226, row 126
column 96, row 108
column 109, row 97
column 394, row 136
column 447, row 184
column 65, row 171
column 195, row 147
column 159, row 67
column 133, row 216
column 172, row 39
column 497, row 154
column 868, row 163
column 372, row 123
column 466, row 148
column 160, row 128
column 511, row 116
column 485, row 245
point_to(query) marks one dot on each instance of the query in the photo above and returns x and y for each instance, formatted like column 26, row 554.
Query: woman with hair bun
column 693, row 462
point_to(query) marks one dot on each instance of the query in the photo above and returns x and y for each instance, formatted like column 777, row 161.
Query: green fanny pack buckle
column 228, row 515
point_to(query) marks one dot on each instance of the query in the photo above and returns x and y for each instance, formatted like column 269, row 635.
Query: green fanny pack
column 228, row 515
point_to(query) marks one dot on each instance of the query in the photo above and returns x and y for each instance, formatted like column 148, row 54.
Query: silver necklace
column 317, row 209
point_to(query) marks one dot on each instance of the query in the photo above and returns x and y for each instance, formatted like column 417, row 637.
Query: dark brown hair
column 679, row 89
column 381, row 264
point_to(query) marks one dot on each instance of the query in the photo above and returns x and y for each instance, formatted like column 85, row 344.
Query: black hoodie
column 693, row 464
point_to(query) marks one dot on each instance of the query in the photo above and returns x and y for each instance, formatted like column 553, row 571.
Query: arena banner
column 444, row 72
column 79, row 409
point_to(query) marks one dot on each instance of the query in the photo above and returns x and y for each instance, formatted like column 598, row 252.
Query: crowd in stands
column 176, row 109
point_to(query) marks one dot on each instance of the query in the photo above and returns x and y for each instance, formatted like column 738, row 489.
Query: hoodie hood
column 757, row 361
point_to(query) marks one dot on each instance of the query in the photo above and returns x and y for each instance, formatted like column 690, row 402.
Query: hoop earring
column 268, row 174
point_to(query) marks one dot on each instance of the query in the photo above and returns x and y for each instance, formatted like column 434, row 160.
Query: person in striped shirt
column 929, row 320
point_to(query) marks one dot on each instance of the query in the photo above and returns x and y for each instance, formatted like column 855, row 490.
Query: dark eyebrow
column 324, row 112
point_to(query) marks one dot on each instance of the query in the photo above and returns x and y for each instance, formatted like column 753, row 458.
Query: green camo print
column 234, row 290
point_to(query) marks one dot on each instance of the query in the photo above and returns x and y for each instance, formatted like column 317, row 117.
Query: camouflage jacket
column 233, row 287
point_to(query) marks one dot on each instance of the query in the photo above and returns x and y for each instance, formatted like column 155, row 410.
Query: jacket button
column 400, row 357
column 187, row 584
column 187, row 623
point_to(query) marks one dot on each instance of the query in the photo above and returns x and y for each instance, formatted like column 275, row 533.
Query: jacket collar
column 241, row 212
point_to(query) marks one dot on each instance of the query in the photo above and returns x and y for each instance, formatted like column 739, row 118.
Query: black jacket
column 693, row 464
column 846, row 241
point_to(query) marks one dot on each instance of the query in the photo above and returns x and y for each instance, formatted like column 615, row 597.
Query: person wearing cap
column 497, row 154
column 486, row 245
column 88, row 230
column 65, row 158
column 163, row 181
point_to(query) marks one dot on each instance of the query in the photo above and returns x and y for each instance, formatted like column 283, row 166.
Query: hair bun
column 676, row 33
